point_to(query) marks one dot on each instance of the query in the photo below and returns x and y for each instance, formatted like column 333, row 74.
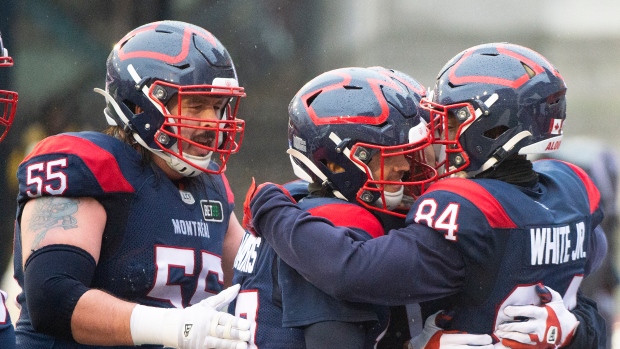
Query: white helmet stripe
column 346, row 151
column 301, row 157
column 134, row 74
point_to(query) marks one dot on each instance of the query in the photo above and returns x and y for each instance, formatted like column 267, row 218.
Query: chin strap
column 294, row 153
column 392, row 199
column 507, row 147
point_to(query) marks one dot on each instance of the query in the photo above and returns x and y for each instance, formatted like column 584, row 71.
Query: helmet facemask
column 182, row 133
column 447, row 124
column 8, row 99
column 396, row 175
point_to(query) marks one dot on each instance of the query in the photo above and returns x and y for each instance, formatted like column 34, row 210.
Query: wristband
column 150, row 325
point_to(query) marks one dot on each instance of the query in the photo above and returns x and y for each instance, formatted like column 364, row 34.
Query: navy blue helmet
column 347, row 116
column 503, row 99
column 157, row 62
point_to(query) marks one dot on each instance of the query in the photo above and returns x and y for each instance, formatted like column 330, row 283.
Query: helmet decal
column 492, row 78
column 182, row 55
column 374, row 84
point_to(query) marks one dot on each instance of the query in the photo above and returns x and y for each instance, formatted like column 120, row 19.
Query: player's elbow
column 55, row 278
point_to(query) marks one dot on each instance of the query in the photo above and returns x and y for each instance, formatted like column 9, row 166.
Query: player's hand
column 433, row 336
column 549, row 325
column 208, row 325
column 252, row 192
column 200, row 326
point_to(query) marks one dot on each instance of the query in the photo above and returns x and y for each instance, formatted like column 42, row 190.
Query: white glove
column 434, row 337
column 199, row 326
column 549, row 325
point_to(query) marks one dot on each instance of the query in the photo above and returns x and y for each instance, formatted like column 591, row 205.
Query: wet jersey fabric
column 162, row 243
column 304, row 304
column 282, row 300
column 476, row 241
column 511, row 238
column 7, row 332
column 260, row 297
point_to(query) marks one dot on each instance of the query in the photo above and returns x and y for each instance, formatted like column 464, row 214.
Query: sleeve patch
column 494, row 212
column 351, row 216
column 99, row 161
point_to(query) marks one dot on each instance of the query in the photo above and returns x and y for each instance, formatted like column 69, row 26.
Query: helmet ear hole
column 312, row 98
column 496, row 132
column 333, row 167
column 530, row 72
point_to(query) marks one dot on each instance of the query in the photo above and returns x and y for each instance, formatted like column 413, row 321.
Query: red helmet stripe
column 460, row 80
column 185, row 45
column 375, row 85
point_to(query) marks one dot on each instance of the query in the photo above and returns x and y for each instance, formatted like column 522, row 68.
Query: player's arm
column 61, row 241
column 59, row 233
column 232, row 240
column 363, row 271
column 591, row 332
column 597, row 250
column 7, row 332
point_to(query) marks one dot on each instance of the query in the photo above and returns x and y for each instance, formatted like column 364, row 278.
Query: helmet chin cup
column 392, row 199
column 188, row 165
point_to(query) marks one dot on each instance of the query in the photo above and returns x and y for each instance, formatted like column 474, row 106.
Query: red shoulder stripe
column 101, row 163
column 594, row 196
column 229, row 192
column 348, row 215
column 480, row 197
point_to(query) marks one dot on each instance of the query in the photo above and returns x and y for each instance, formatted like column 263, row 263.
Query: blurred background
column 60, row 48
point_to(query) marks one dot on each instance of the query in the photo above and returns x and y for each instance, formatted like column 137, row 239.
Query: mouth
column 204, row 144
column 206, row 139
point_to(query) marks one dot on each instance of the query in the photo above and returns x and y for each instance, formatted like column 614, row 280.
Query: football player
column 127, row 237
column 356, row 135
column 502, row 231
column 8, row 105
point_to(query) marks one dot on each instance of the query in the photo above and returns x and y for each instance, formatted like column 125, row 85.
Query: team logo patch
column 212, row 211
column 187, row 197
column 187, row 330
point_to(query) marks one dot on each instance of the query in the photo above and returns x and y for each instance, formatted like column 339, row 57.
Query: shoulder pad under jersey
column 343, row 213
column 450, row 188
column 559, row 167
column 82, row 164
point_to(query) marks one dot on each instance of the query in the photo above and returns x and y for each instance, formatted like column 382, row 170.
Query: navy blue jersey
column 303, row 303
column 280, row 302
column 162, row 242
column 7, row 332
column 260, row 297
column 511, row 238
column 476, row 242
